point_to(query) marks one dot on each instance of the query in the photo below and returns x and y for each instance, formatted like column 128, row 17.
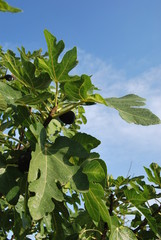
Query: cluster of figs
column 25, row 157
column 67, row 118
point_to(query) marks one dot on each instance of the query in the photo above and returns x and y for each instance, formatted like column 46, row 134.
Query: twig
column 111, row 197
column 49, row 118
column 15, row 139
column 145, row 221
column 21, row 139
column 103, row 237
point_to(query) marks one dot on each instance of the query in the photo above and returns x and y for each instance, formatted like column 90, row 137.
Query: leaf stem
column 54, row 114
column 145, row 221
column 68, row 108
column 15, row 139
column 56, row 94
column 89, row 230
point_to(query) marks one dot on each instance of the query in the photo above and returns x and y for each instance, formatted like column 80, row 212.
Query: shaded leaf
column 79, row 181
column 83, row 90
column 134, row 197
column 94, row 171
column 8, row 183
column 13, row 195
column 79, row 90
column 30, row 100
column 87, row 141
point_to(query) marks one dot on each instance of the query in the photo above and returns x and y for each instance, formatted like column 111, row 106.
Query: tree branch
column 49, row 118
column 145, row 221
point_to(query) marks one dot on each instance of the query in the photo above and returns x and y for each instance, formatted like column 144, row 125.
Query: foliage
column 5, row 7
column 52, row 183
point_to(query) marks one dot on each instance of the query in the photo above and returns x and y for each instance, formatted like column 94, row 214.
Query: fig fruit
column 68, row 117
column 24, row 160
column 8, row 77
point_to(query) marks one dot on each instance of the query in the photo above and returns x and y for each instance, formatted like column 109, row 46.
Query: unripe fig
column 68, row 117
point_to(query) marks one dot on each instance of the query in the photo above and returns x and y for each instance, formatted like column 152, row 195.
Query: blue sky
column 118, row 43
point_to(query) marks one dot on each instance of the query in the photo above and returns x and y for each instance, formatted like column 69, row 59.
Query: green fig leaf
column 3, row 104
column 95, row 205
column 129, row 110
column 87, row 141
column 9, row 94
column 122, row 233
column 94, row 171
column 5, row 7
column 50, row 167
column 58, row 71
column 25, row 71
column 31, row 100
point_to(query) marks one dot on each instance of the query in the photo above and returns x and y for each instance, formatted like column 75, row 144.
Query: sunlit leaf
column 94, row 171
column 8, row 93
column 129, row 109
column 3, row 104
column 94, row 204
column 24, row 71
column 49, row 166
column 154, row 173
column 58, row 71
column 123, row 233
column 5, row 7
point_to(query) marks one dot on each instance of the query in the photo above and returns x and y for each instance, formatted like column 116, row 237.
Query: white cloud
column 122, row 141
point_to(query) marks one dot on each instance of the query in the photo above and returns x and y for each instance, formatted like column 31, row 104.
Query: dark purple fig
column 24, row 160
column 8, row 77
column 68, row 117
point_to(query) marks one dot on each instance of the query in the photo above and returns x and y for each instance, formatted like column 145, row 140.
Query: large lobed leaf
column 50, row 167
column 25, row 71
column 154, row 173
column 8, row 94
column 87, row 141
column 128, row 107
column 83, row 90
column 58, row 71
